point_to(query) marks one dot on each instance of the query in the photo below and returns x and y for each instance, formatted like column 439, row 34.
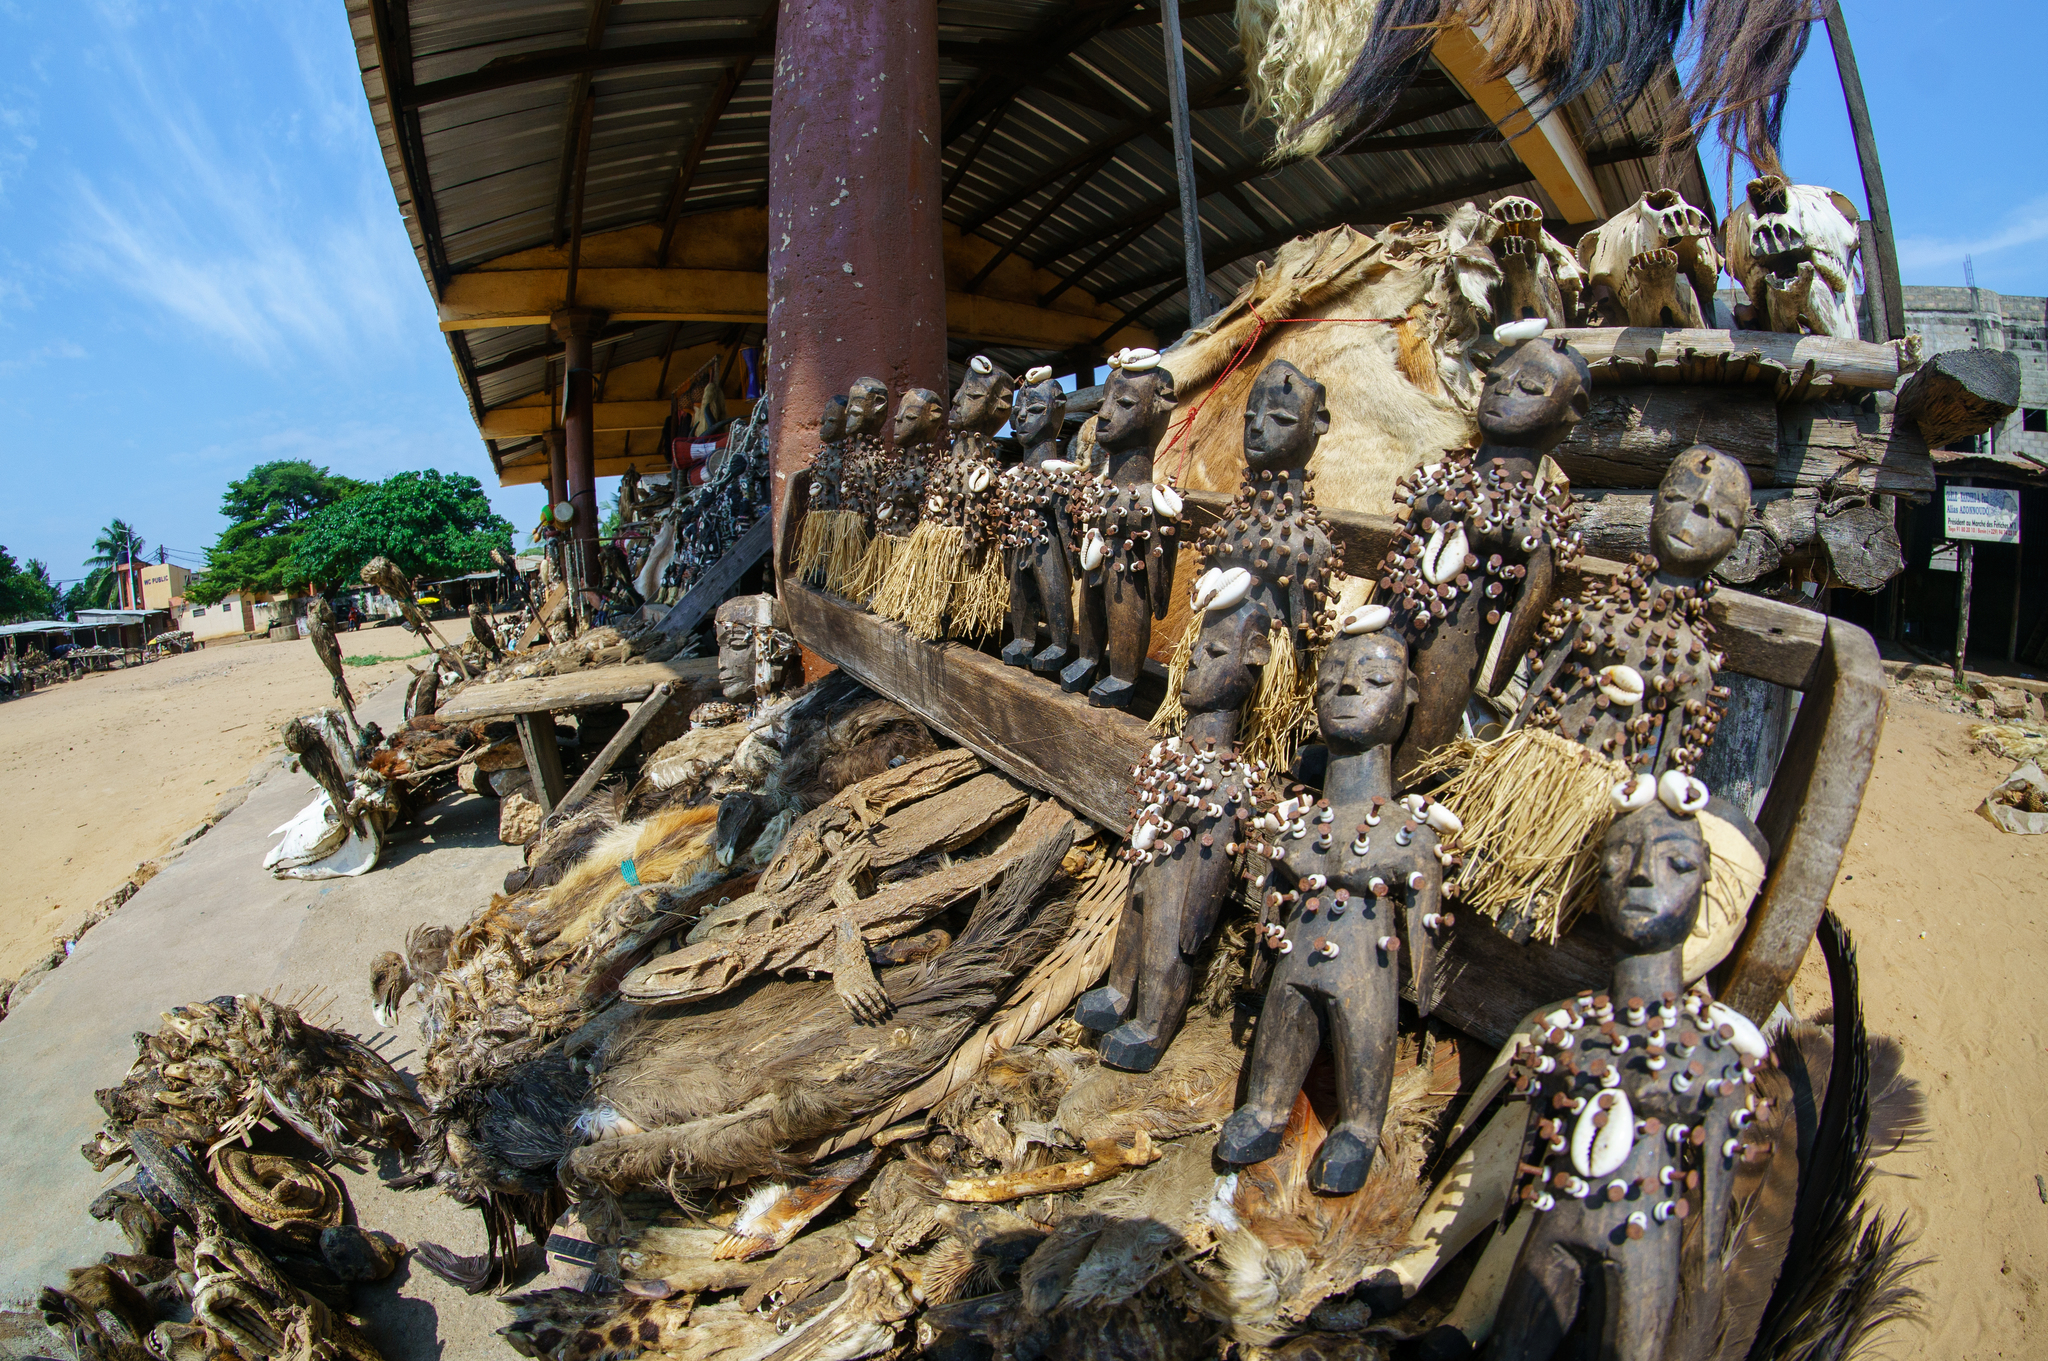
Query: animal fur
column 1741, row 54
column 1296, row 55
column 728, row 1089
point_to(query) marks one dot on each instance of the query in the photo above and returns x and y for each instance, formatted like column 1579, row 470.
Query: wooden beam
column 573, row 139
column 556, row 62
column 524, row 422
column 1080, row 177
column 1627, row 354
column 1807, row 817
column 543, row 757
column 528, row 297
column 1020, row 723
column 712, row 588
column 393, row 37
column 1546, row 146
column 626, row 684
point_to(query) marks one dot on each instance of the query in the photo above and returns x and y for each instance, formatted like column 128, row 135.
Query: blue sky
column 202, row 266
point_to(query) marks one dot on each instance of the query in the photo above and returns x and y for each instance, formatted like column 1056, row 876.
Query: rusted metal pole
column 1199, row 305
column 856, row 262
column 576, row 327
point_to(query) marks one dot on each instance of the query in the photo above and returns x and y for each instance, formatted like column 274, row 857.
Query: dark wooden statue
column 900, row 496
column 1636, row 1098
column 1615, row 667
column 828, row 469
column 867, row 459
column 1346, row 868
column 1188, row 795
column 1480, row 549
column 1127, row 527
column 758, row 658
column 1037, row 531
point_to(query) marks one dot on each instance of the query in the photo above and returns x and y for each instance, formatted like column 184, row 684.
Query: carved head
column 1702, row 505
column 629, row 484
column 832, row 425
column 1535, row 394
column 917, row 418
column 1041, row 411
column 1364, row 691
column 756, row 654
column 982, row 402
column 1285, row 415
column 1653, row 871
column 1223, row 671
column 867, row 406
column 1134, row 401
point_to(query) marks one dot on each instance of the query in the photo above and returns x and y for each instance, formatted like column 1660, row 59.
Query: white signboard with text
column 1981, row 514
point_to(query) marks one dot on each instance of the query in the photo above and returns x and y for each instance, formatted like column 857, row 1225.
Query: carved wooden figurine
column 1637, row 1097
column 1188, row 794
column 1126, row 521
column 1345, row 869
column 1035, row 530
column 1638, row 649
column 896, row 482
column 1480, row 550
column 757, row 656
column 835, row 533
column 945, row 576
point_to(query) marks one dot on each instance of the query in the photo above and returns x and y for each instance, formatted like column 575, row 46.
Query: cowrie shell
column 1514, row 332
column 1622, row 684
column 1598, row 1151
column 1445, row 556
column 1748, row 1039
column 1231, row 590
column 1634, row 792
column 978, row 480
column 1092, row 551
column 1444, row 820
column 1681, row 792
column 1166, row 501
column 1059, row 465
column 1205, row 587
column 1039, row 374
column 1143, row 835
column 981, row 363
column 1365, row 619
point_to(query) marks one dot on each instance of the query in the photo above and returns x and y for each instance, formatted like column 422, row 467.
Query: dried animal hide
column 1193, row 1087
column 219, row 1067
column 729, row 1089
column 1792, row 247
column 1658, row 260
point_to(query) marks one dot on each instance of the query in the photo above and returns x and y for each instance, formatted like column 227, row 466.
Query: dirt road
column 108, row 770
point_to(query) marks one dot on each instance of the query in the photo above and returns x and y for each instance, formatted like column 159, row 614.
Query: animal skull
column 1657, row 258
column 1539, row 276
column 1792, row 246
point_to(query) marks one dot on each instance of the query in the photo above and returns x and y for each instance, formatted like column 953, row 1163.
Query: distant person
column 355, row 616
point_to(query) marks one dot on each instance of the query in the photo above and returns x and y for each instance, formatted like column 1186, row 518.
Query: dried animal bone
column 1540, row 277
column 1658, row 261
column 1793, row 247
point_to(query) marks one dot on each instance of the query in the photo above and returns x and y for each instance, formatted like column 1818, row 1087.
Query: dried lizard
column 835, row 941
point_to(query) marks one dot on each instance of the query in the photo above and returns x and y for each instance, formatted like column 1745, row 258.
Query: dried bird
column 381, row 574
column 320, row 629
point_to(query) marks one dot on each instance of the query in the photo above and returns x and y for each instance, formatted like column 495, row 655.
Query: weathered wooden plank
column 1762, row 638
column 1018, row 722
column 718, row 580
column 1845, row 446
column 1628, row 354
column 543, row 758
column 628, row 733
column 1808, row 817
column 1960, row 393
column 1631, row 434
column 1487, row 984
column 579, row 689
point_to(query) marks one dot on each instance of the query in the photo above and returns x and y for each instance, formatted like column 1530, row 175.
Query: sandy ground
column 106, row 771
column 1946, row 910
column 1947, row 913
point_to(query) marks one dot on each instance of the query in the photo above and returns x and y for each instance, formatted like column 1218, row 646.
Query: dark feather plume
column 1743, row 53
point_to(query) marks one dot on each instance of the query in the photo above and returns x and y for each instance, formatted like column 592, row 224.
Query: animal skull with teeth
column 1539, row 276
column 1658, row 260
column 1792, row 247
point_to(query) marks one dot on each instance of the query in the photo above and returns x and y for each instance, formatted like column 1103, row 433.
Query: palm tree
column 117, row 543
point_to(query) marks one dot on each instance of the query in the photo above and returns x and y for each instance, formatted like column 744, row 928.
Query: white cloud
column 235, row 228
column 1927, row 256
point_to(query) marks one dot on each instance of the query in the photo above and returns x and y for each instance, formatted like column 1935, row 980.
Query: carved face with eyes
column 982, row 401
column 1041, row 411
column 1653, row 870
column 1221, row 673
column 1286, row 414
column 832, row 425
column 917, row 418
column 1702, row 505
column 1364, row 690
column 867, row 405
column 1131, row 402
column 1534, row 396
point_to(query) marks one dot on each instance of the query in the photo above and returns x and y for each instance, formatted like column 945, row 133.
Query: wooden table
column 532, row 704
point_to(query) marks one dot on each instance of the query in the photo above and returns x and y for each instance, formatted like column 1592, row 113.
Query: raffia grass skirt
column 830, row 549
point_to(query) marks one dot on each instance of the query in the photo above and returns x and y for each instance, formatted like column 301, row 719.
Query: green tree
column 429, row 523
column 26, row 591
column 95, row 592
column 117, row 543
column 267, row 511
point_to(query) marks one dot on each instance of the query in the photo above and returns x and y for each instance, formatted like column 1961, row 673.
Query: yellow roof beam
column 524, row 422
column 1546, row 146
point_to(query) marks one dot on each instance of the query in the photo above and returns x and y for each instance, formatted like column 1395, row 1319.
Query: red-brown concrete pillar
column 558, row 467
column 575, row 328
column 856, row 267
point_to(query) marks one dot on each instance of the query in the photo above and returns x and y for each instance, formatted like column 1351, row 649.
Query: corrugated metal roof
column 1056, row 145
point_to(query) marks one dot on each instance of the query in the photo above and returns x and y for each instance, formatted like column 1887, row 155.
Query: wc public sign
column 1981, row 514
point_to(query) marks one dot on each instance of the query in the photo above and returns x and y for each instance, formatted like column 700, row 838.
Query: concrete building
column 232, row 616
column 1977, row 318
column 163, row 585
